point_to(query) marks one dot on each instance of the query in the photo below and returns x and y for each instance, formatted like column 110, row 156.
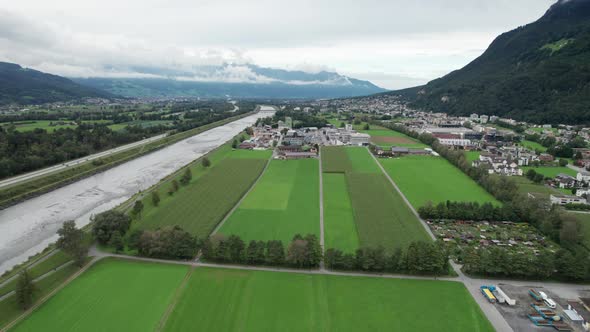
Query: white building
column 583, row 176
column 456, row 142
column 360, row 139
column 567, row 199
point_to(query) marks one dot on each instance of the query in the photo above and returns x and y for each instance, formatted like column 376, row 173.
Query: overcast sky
column 392, row 43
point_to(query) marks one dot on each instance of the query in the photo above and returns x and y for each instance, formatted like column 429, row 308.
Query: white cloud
column 392, row 41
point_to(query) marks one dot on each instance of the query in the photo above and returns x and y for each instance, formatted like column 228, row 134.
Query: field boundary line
column 220, row 224
column 40, row 278
column 175, row 299
column 50, row 295
column 428, row 230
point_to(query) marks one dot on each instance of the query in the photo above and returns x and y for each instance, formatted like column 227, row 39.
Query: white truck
column 548, row 301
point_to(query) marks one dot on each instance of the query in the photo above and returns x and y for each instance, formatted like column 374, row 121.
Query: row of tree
column 466, row 211
column 497, row 262
column 424, row 258
column 302, row 252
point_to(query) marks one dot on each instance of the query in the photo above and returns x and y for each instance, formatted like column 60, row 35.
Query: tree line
column 302, row 251
column 423, row 258
column 496, row 262
column 466, row 211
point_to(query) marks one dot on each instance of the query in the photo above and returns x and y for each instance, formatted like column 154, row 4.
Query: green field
column 233, row 300
column 113, row 295
column 584, row 220
column 381, row 215
column 472, row 155
column 526, row 186
column 335, row 160
column 533, row 146
column 551, row 172
column 426, row 178
column 213, row 192
column 283, row 203
column 371, row 212
column 41, row 124
column 387, row 138
column 339, row 225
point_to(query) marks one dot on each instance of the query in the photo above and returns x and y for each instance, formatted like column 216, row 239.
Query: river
column 29, row 227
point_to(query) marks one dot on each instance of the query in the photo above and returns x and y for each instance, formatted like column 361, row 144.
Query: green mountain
column 539, row 72
column 26, row 86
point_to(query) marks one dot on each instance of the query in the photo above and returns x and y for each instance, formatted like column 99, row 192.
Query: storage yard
column 531, row 308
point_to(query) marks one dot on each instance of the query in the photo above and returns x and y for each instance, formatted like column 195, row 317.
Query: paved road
column 48, row 170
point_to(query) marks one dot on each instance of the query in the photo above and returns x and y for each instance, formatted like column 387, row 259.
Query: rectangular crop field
column 234, row 300
column 339, row 225
column 283, row 203
column 361, row 161
column 201, row 205
column 113, row 295
column 434, row 179
column 382, row 217
column 335, row 159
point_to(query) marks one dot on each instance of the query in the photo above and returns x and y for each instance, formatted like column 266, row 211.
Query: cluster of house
column 507, row 160
column 345, row 136
column 580, row 182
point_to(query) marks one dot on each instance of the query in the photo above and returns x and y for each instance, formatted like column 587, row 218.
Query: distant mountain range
column 26, row 86
column 238, row 81
column 539, row 72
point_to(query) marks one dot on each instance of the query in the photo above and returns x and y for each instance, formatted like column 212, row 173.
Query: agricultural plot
column 526, row 186
column 426, row 178
column 335, row 160
column 388, row 138
column 201, row 205
column 370, row 212
column 381, row 215
column 283, row 203
column 551, row 172
column 339, row 225
column 113, row 295
column 232, row 300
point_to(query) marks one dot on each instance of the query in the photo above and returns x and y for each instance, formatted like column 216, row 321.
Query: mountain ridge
column 538, row 72
column 21, row 85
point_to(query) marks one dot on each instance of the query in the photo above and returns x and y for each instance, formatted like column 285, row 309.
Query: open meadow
column 427, row 178
column 199, row 206
column 113, row 295
column 233, row 300
column 533, row 146
column 283, row 203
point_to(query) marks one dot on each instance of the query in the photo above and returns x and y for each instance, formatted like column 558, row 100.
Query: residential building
column 567, row 199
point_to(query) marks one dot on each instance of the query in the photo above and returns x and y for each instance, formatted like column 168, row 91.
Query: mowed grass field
column 472, row 155
column 371, row 212
column 283, row 203
column 113, row 295
column 234, row 300
column 387, row 138
column 213, row 192
column 551, row 172
column 428, row 178
column 339, row 227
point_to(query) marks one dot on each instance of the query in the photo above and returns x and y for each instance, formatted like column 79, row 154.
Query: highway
column 29, row 176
